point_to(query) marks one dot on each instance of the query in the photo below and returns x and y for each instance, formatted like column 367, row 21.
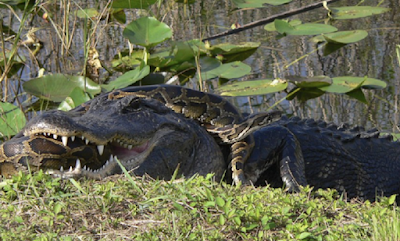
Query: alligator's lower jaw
column 79, row 171
column 126, row 157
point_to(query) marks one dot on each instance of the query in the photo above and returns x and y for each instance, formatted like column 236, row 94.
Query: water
column 374, row 56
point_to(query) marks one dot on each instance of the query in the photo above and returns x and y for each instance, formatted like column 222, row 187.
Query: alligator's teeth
column 83, row 138
column 78, row 164
column 70, row 169
column 85, row 168
column 100, row 148
column 64, row 140
column 55, row 137
column 130, row 147
column 87, row 141
column 72, row 138
column 61, row 169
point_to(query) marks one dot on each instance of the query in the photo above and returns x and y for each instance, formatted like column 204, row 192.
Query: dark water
column 374, row 56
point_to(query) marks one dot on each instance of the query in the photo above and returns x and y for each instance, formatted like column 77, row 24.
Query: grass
column 41, row 208
column 123, row 208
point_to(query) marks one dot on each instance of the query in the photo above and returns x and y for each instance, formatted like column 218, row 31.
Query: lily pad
column 229, row 48
column 56, row 87
column 227, row 71
column 331, row 47
column 178, row 54
column 358, row 95
column 345, row 37
column 345, row 84
column 128, row 78
column 12, row 119
column 258, row 3
column 356, row 12
column 123, row 60
column 271, row 26
column 234, row 52
column 253, row 87
column 310, row 82
column 304, row 94
column 118, row 14
column 284, row 27
column 141, row 4
column 147, row 32
column 77, row 97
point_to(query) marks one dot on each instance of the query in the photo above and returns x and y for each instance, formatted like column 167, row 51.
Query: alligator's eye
column 134, row 105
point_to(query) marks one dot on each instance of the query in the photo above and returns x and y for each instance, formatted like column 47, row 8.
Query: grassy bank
column 120, row 208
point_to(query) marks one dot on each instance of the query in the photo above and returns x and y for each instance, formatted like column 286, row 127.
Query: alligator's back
column 352, row 160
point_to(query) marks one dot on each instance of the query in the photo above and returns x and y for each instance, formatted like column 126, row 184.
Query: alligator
column 156, row 130
column 144, row 127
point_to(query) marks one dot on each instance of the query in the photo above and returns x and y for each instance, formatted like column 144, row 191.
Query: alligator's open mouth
column 103, row 156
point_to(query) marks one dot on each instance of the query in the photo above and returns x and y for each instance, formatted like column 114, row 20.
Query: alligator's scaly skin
column 359, row 162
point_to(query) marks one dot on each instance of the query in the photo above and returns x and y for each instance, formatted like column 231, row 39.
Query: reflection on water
column 374, row 56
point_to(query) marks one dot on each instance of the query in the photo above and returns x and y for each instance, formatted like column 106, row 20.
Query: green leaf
column 312, row 29
column 310, row 82
column 119, row 15
column 180, row 57
column 208, row 64
column 277, row 2
column 87, row 13
column 358, row 95
column 392, row 199
column 56, row 87
column 57, row 208
column 228, row 71
column 371, row 83
column 12, row 119
column 345, row 37
column 237, row 221
column 303, row 235
column 147, row 32
column 17, row 60
column 356, row 12
column 222, row 220
column 284, row 27
column 220, row 201
column 253, row 87
column 77, row 97
column 331, row 47
column 128, row 78
column 234, row 52
column 271, row 26
column 304, row 94
column 258, row 3
column 141, row 4
column 346, row 84
column 124, row 59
